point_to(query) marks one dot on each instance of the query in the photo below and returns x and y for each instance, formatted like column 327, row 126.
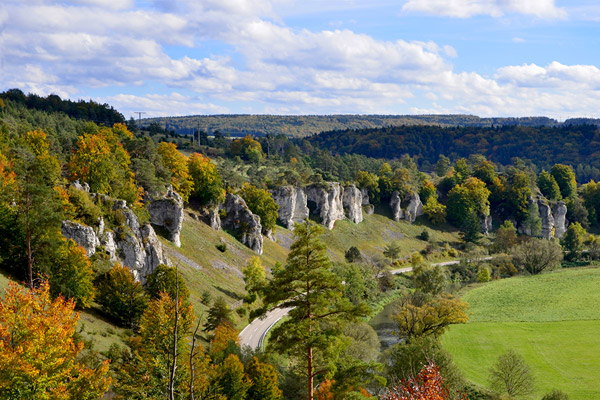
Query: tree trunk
column 310, row 374
column 28, row 238
column 175, row 328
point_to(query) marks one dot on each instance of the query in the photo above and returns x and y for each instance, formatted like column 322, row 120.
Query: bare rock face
column 245, row 225
column 167, row 211
column 369, row 209
column 414, row 208
column 292, row 205
column 81, row 186
column 365, row 197
column 136, row 247
column 352, row 202
column 328, row 201
column 547, row 218
column 396, row 206
column 486, row 224
column 559, row 212
column 83, row 235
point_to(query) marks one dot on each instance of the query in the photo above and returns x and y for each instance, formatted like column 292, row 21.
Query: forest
column 489, row 213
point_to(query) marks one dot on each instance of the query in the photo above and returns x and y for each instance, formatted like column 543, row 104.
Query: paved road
column 254, row 334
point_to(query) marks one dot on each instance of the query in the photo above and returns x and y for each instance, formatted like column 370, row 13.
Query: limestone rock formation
column 167, row 211
column 486, row 224
column 136, row 247
column 245, row 225
column 559, row 212
column 396, row 206
column 83, row 235
column 352, row 202
column 369, row 209
column 292, row 205
column 414, row 208
column 328, row 200
column 547, row 218
column 365, row 197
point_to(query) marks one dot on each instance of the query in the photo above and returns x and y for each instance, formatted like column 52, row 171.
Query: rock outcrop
column 167, row 211
column 396, row 206
column 292, row 205
column 547, row 218
column 328, row 200
column 365, row 197
column 352, row 202
column 559, row 212
column 414, row 208
column 83, row 235
column 486, row 224
column 135, row 246
column 244, row 225
column 369, row 209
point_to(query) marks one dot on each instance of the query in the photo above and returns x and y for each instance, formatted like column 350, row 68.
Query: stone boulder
column 328, row 200
column 244, row 225
column 396, row 206
column 85, row 236
column 352, row 203
column 369, row 209
column 559, row 212
column 167, row 211
column 414, row 208
column 547, row 218
column 292, row 205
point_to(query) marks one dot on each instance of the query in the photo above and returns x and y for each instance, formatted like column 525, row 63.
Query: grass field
column 552, row 320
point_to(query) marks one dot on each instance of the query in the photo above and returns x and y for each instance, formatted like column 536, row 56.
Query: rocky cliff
column 559, row 212
column 167, row 211
column 239, row 219
column 352, row 201
column 547, row 218
column 412, row 210
column 327, row 198
column 133, row 245
column 292, row 205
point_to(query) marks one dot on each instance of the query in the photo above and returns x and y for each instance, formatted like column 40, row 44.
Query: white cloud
column 173, row 104
column 493, row 8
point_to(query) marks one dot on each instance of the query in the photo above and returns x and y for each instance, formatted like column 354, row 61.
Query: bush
column 222, row 247
column 555, row 395
column 483, row 275
column 424, row 235
column 352, row 254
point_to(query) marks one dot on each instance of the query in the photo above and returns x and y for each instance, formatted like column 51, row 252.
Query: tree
column 177, row 163
column 537, row 255
column 429, row 279
column 306, row 283
column 573, row 240
column 248, row 148
column 565, row 178
column 428, row 191
column 432, row 317
column 464, row 199
column 370, row 182
column 442, row 166
column 392, row 250
column 207, row 182
column 261, row 203
column 436, row 212
column 121, row 296
column 511, row 375
column 264, row 381
column 548, row 186
column 254, row 277
column 231, row 380
column 506, row 237
column 470, row 228
column 217, row 314
column 352, row 254
column 427, row 385
column 533, row 223
column 38, row 352
column 167, row 279
column 518, row 194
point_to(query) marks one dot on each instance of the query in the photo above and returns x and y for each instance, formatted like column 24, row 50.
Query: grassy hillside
column 552, row 320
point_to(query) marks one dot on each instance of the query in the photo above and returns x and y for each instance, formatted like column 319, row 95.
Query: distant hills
column 298, row 126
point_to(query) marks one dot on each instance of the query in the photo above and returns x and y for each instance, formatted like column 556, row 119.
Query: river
column 385, row 326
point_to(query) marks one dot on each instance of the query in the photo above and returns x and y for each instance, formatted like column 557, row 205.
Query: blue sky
column 181, row 57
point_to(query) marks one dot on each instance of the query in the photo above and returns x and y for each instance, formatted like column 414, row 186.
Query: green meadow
column 552, row 320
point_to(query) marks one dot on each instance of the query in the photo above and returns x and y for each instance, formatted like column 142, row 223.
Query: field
column 552, row 320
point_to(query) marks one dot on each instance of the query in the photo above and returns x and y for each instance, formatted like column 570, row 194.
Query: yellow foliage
column 177, row 163
column 37, row 142
column 38, row 355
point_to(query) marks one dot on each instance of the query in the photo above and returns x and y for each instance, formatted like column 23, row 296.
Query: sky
column 187, row 57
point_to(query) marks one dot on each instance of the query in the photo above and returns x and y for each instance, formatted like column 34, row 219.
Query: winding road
column 254, row 334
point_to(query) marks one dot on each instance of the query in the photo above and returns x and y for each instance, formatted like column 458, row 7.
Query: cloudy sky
column 181, row 57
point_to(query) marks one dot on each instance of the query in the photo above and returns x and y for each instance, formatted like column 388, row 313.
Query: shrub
column 424, row 235
column 222, row 247
column 352, row 254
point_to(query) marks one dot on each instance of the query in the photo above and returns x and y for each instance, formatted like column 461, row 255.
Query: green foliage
column 166, row 279
column 511, row 375
column 517, row 194
column 565, row 178
column 352, row 254
column 222, row 247
column 533, row 223
column 436, row 212
column 254, row 277
column 260, row 202
column 370, row 182
column 468, row 198
column 264, row 381
column 573, row 241
column 537, row 255
column 121, row 296
column 548, row 186
column 483, row 275
column 248, row 148
column 424, row 235
column 231, row 380
column 556, row 395
column 577, row 212
column 177, row 164
column 430, row 279
column 84, row 208
column 392, row 250
column 506, row 237
column 359, row 283
column 218, row 313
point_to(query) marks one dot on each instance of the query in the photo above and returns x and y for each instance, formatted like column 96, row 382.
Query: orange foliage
column 7, row 176
column 37, row 350
column 427, row 385
column 324, row 390
column 224, row 333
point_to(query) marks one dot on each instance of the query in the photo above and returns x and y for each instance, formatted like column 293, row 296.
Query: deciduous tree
column 208, row 185
column 121, row 296
column 565, row 178
column 177, row 163
column 261, row 203
column 537, row 255
column 432, row 317
column 511, row 375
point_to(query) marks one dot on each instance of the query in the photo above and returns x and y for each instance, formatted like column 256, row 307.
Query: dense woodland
column 324, row 350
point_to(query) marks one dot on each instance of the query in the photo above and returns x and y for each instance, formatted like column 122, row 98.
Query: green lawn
column 552, row 320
